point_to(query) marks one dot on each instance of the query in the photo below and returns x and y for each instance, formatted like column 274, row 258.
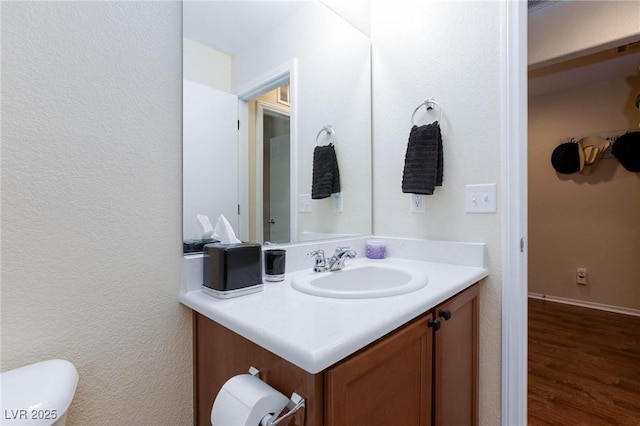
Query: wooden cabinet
column 387, row 383
column 455, row 392
column 424, row 373
column 220, row 354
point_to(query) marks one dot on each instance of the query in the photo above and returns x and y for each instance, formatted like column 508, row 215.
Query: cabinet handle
column 435, row 324
column 445, row 314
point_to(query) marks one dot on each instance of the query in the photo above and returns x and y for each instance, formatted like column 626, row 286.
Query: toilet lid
column 37, row 394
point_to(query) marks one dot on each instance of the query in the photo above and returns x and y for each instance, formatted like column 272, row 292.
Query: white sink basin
column 362, row 279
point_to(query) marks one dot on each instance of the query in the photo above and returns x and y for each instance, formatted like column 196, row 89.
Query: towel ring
column 428, row 103
column 330, row 132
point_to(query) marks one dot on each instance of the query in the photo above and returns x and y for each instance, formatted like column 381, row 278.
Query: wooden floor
column 584, row 366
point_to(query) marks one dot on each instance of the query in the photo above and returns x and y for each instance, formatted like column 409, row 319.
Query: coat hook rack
column 610, row 136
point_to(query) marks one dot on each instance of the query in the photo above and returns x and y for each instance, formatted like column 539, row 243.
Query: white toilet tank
column 37, row 394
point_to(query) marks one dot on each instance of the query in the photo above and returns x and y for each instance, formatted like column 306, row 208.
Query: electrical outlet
column 581, row 276
column 481, row 198
column 417, row 203
column 304, row 203
column 337, row 202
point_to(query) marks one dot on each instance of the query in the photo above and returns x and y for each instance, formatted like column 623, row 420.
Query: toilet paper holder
column 295, row 403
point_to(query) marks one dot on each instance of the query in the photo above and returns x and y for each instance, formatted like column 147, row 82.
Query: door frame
column 261, row 107
column 278, row 76
column 514, row 220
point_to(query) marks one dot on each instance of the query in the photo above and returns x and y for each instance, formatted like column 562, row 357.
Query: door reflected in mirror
column 261, row 79
column 270, row 209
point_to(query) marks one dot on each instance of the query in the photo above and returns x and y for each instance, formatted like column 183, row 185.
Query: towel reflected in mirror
column 326, row 174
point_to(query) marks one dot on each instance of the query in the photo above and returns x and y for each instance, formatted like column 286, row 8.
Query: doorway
column 583, row 221
column 273, row 137
column 270, row 170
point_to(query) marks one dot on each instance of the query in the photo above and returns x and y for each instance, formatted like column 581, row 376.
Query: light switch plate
column 481, row 198
column 304, row 203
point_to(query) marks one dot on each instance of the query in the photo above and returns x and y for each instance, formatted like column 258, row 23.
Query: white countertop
column 315, row 332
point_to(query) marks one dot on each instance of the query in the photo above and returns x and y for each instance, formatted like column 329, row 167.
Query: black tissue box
column 232, row 270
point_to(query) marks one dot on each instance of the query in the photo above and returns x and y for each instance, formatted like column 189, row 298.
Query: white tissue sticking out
column 224, row 232
column 205, row 226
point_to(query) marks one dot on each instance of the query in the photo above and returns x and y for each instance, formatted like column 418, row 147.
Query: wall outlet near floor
column 581, row 276
column 417, row 203
column 304, row 203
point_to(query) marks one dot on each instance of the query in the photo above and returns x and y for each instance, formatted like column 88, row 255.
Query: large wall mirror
column 262, row 79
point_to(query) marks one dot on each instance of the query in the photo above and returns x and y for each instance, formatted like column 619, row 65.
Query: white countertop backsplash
column 315, row 332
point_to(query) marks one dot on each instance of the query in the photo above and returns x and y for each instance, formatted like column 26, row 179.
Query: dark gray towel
column 326, row 176
column 423, row 161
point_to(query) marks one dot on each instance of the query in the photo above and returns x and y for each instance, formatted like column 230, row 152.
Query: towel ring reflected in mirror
column 429, row 103
column 330, row 133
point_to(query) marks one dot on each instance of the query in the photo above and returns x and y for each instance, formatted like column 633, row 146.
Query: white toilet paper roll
column 244, row 400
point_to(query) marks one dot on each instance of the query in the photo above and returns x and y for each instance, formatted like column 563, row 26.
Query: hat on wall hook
column 567, row 158
column 638, row 105
column 593, row 147
column 582, row 156
column 627, row 150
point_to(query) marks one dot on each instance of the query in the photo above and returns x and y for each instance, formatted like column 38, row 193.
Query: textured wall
column 584, row 221
column 91, row 204
column 449, row 51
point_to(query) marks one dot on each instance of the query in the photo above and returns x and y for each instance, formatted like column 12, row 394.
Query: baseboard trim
column 585, row 304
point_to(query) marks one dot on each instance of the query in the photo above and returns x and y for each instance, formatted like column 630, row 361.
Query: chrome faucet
column 320, row 261
column 335, row 262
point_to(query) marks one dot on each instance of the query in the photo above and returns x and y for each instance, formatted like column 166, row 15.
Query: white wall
column 205, row 65
column 449, row 51
column 356, row 12
column 333, row 66
column 580, row 27
column 91, row 204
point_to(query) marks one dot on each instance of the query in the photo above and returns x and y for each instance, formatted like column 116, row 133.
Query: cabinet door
column 387, row 383
column 220, row 354
column 456, row 360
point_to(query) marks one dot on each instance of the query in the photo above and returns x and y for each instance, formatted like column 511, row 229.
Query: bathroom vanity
column 419, row 375
column 407, row 359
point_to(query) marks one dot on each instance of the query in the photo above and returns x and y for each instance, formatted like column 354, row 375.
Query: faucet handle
column 341, row 249
column 320, row 260
column 318, row 255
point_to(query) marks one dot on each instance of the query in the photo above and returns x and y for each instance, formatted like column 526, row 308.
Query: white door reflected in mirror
column 210, row 156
